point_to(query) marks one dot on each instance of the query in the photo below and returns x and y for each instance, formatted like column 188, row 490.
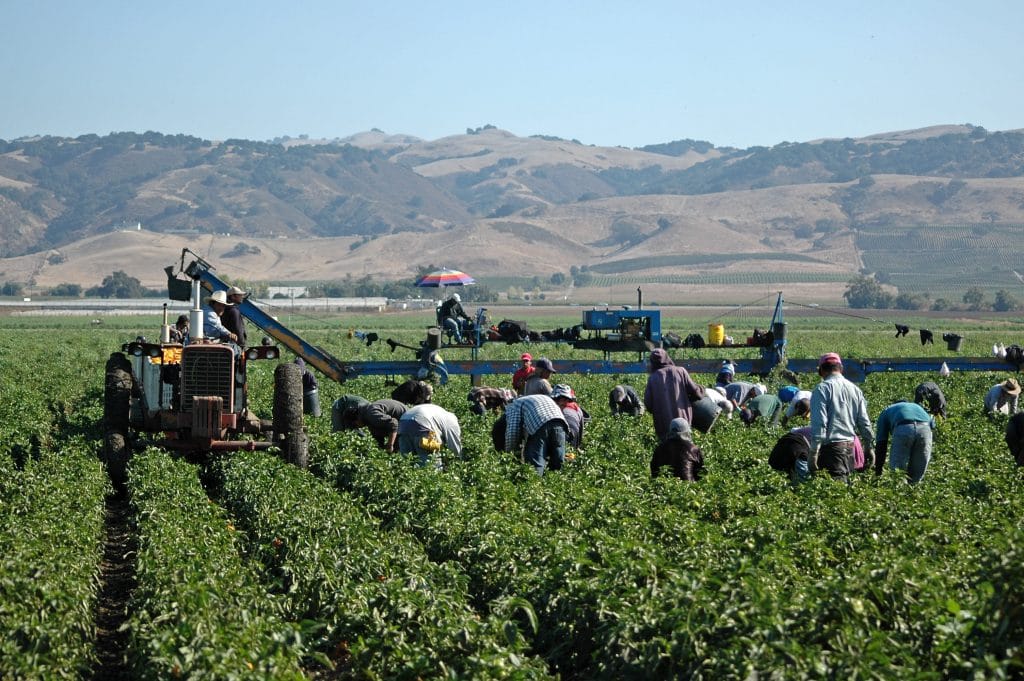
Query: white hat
column 760, row 389
column 217, row 297
column 235, row 291
column 456, row 298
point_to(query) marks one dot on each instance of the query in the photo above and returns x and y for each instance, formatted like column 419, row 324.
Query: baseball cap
column 544, row 364
column 527, row 355
column 830, row 358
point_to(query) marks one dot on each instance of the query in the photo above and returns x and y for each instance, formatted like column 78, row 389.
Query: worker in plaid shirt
column 481, row 399
column 540, row 421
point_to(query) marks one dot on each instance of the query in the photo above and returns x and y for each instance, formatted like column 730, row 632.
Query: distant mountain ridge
column 490, row 201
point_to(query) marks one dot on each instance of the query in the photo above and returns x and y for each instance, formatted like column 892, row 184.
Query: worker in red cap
column 839, row 413
column 522, row 373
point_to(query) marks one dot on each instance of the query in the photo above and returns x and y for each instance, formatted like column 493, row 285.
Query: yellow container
column 716, row 334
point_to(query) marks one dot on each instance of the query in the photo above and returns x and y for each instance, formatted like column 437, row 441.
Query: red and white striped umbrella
column 445, row 277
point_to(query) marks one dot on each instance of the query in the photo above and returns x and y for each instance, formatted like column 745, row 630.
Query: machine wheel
column 288, row 430
column 117, row 392
column 116, row 452
column 296, row 448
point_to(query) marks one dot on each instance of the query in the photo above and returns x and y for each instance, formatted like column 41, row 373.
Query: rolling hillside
column 497, row 205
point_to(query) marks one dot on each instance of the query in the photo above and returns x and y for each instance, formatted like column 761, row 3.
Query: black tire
column 117, row 393
column 287, row 399
column 116, row 453
column 296, row 448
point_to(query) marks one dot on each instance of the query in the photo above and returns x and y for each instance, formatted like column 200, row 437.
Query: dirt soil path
column 117, row 582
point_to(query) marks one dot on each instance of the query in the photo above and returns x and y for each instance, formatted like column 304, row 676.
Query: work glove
column 869, row 457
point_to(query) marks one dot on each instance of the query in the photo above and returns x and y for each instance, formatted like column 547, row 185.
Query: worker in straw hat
column 1002, row 398
column 213, row 309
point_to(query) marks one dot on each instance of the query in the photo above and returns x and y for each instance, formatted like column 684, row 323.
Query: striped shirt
column 526, row 415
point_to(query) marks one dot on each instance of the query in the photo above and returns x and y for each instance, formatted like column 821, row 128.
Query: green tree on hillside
column 866, row 292
column 974, row 298
column 1005, row 302
column 119, row 285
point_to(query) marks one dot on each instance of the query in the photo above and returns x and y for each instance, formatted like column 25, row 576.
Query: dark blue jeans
column 547, row 445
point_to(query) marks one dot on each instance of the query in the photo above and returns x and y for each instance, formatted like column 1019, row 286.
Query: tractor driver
column 213, row 308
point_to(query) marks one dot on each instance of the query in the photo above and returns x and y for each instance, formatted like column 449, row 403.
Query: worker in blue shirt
column 909, row 427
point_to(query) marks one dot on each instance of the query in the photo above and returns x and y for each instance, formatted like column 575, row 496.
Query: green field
column 367, row 567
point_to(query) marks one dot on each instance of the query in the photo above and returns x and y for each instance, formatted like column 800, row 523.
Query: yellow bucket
column 716, row 334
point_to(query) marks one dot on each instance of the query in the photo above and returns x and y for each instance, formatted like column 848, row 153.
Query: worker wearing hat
column 839, row 413
column 232, row 317
column 537, row 383
column 523, row 372
column 1002, row 398
column 214, row 306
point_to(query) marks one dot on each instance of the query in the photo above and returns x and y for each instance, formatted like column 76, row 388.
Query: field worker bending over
column 1002, row 398
column 929, row 395
column 1015, row 437
column 670, row 392
column 483, row 399
column 797, row 403
column 538, row 420
column 764, row 405
column 624, row 400
column 838, row 412
column 380, row 417
column 909, row 427
column 678, row 451
column 424, row 429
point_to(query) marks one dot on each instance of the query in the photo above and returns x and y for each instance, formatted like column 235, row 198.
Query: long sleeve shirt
column 212, row 326
column 838, row 412
column 670, row 394
column 423, row 418
column 381, row 418
column 898, row 413
column 525, row 416
column 999, row 400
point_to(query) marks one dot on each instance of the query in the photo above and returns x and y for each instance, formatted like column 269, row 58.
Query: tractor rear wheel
column 288, row 425
column 116, row 452
column 117, row 392
column 296, row 448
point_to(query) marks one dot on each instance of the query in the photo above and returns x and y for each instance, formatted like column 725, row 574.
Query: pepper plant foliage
column 368, row 567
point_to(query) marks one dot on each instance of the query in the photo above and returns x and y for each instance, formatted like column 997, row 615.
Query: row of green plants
column 51, row 512
column 52, row 490
column 738, row 574
column 382, row 609
column 200, row 610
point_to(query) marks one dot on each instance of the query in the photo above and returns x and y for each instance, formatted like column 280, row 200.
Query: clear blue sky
column 737, row 73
